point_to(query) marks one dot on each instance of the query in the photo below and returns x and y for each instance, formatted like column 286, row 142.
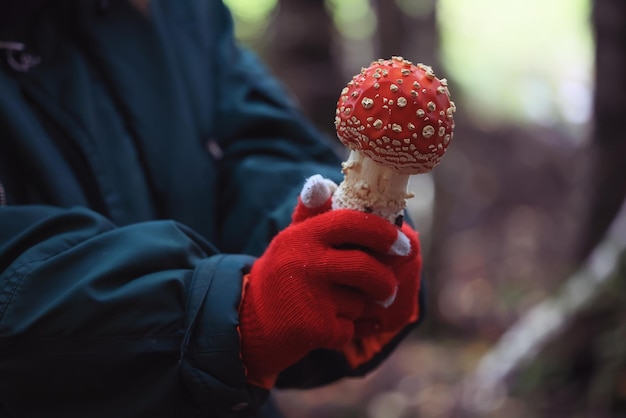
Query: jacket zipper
column 3, row 196
column 17, row 58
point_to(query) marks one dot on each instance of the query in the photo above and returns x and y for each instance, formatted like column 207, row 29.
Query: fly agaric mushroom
column 397, row 120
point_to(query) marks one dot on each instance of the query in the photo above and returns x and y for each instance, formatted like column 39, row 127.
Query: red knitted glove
column 396, row 313
column 380, row 322
column 391, row 315
column 319, row 277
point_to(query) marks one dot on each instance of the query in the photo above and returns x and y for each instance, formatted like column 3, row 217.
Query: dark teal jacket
column 144, row 162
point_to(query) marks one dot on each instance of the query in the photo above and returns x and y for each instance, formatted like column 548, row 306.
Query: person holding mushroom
column 172, row 239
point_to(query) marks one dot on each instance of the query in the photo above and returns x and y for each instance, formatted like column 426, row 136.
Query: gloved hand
column 378, row 317
column 328, row 278
column 379, row 323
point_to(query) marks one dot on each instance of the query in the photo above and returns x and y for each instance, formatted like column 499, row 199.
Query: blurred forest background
column 522, row 228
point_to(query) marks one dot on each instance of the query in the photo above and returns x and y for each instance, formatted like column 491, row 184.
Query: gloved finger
column 335, row 307
column 365, row 327
column 316, row 191
column 340, row 333
column 390, row 319
column 358, row 270
column 351, row 228
column 387, row 302
column 404, row 249
column 401, row 246
column 349, row 302
column 412, row 235
column 315, row 198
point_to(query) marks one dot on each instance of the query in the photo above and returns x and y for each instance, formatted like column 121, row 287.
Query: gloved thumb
column 315, row 198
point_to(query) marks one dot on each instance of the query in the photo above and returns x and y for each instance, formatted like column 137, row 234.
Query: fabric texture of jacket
column 144, row 162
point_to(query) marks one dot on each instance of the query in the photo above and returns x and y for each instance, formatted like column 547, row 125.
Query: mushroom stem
column 372, row 187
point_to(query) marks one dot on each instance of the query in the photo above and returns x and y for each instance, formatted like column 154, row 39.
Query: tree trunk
column 608, row 182
column 410, row 33
column 302, row 55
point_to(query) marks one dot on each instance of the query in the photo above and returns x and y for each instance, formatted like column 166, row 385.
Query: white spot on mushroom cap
column 367, row 103
column 428, row 131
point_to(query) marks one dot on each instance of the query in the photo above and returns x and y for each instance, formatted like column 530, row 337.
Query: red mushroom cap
column 398, row 114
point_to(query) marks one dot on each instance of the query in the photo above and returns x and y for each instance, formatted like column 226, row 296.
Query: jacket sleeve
column 269, row 147
column 92, row 315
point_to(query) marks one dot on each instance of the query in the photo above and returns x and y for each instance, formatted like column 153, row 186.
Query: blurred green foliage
column 251, row 16
column 528, row 61
column 354, row 19
column 515, row 62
